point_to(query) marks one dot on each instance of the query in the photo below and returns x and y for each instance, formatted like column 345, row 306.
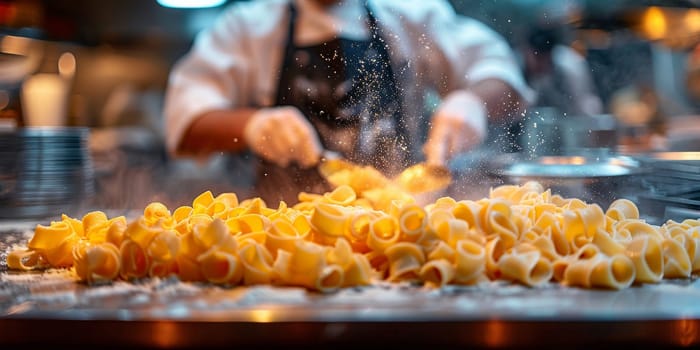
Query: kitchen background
column 117, row 55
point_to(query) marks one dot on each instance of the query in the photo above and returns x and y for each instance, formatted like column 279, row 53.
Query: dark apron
column 347, row 90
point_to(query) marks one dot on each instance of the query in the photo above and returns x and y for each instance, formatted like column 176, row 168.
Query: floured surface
column 56, row 294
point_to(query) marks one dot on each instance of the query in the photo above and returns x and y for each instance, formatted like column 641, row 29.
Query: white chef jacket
column 236, row 61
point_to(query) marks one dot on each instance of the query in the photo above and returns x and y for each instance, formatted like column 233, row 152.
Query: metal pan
column 593, row 179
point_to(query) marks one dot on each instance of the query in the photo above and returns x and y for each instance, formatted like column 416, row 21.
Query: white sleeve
column 220, row 70
column 471, row 51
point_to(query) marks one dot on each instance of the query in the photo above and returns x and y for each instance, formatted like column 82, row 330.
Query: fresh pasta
column 365, row 231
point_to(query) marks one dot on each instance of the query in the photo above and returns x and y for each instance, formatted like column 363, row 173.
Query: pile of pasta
column 519, row 233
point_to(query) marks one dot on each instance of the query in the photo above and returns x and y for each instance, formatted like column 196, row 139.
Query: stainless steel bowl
column 594, row 179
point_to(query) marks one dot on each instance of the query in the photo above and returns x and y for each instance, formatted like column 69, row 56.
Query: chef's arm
column 216, row 131
column 503, row 103
column 461, row 121
column 280, row 134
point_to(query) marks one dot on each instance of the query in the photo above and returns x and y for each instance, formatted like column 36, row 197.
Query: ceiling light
column 191, row 3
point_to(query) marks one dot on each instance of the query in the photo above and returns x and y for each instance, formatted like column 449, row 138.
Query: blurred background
column 634, row 65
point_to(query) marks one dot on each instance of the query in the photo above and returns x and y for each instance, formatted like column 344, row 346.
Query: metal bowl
column 593, row 179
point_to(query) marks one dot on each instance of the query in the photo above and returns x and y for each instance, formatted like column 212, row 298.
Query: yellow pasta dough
column 366, row 230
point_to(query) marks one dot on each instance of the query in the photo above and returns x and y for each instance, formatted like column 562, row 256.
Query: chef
column 290, row 79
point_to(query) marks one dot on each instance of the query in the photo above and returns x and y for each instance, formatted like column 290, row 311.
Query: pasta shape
column 308, row 267
column 356, row 268
column 677, row 263
column 54, row 243
column 647, row 255
column 441, row 251
column 437, row 273
column 405, row 261
column 468, row 211
column 526, row 265
column 413, row 221
column 469, row 261
column 257, row 262
column 383, row 234
column 329, row 222
column 219, row 266
column 97, row 263
column 494, row 251
column 616, row 272
column 367, row 229
column 283, row 234
column 24, row 260
column 607, row 244
column 622, row 209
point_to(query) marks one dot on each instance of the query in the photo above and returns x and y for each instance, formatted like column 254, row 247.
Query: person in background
column 290, row 79
column 559, row 74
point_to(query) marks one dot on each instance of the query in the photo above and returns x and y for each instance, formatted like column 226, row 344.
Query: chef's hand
column 283, row 135
column 458, row 124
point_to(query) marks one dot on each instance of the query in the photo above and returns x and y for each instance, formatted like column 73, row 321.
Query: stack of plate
column 44, row 171
column 672, row 186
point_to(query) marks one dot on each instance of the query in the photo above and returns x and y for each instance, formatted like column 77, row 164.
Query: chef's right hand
column 283, row 135
column 460, row 123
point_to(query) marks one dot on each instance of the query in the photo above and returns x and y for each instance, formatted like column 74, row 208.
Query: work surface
column 50, row 307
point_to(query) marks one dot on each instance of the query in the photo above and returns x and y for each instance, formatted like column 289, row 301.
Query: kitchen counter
column 52, row 308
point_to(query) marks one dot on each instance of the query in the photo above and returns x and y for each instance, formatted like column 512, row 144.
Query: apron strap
column 288, row 55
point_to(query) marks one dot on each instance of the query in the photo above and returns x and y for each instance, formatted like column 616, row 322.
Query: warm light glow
column 66, row 65
column 165, row 334
column 496, row 334
column 191, row 3
column 687, row 332
column 655, row 23
column 692, row 20
column 578, row 160
column 677, row 155
column 261, row 315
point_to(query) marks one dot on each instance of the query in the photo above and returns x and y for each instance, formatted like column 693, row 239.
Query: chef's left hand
column 459, row 124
